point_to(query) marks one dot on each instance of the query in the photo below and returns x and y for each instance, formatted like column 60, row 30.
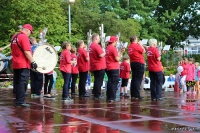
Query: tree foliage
column 169, row 21
column 183, row 19
column 39, row 13
column 88, row 15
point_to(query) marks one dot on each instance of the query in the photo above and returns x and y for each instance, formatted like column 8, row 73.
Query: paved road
column 177, row 113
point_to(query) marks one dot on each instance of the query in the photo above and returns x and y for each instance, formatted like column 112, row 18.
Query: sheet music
column 125, row 45
column 107, row 38
column 166, row 47
column 144, row 41
column 57, row 48
column 118, row 45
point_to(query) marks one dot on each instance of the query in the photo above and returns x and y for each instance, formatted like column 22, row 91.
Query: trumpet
column 102, row 36
column 89, row 38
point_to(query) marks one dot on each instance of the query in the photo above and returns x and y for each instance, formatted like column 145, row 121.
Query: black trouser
column 82, row 82
column 98, row 82
column 14, row 85
column 113, row 80
column 137, row 75
column 36, row 82
column 156, row 84
column 48, row 80
column 73, row 83
column 21, row 77
column 65, row 91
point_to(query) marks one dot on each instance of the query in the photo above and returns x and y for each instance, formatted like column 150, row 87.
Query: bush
column 5, row 84
column 59, row 83
column 170, row 70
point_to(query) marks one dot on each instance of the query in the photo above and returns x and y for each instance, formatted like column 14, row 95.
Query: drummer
column 35, row 76
column 22, row 57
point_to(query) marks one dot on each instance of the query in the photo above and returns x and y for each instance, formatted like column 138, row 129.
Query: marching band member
column 135, row 52
column 21, row 53
column 48, row 84
column 83, row 67
column 65, row 68
column 124, row 75
column 97, row 65
column 155, row 70
column 88, row 76
column 112, row 63
column 35, row 77
column 74, row 74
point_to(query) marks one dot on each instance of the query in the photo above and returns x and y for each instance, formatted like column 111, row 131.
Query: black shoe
column 22, row 105
column 98, row 98
column 160, row 99
column 137, row 98
column 86, row 95
column 153, row 99
column 36, row 95
column 126, row 95
column 68, row 99
column 111, row 100
column 49, row 97
column 121, row 95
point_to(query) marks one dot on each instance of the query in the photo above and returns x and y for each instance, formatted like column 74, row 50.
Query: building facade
column 191, row 46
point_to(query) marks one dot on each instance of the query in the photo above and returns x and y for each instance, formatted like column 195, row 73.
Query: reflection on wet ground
column 178, row 113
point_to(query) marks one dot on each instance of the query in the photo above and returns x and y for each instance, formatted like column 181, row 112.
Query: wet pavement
column 178, row 113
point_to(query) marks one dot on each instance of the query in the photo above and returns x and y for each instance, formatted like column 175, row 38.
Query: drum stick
column 7, row 53
column 6, row 46
column 44, row 68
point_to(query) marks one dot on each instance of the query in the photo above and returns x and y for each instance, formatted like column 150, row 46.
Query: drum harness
column 15, row 37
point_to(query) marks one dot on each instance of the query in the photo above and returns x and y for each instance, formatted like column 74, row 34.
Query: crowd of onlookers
column 188, row 76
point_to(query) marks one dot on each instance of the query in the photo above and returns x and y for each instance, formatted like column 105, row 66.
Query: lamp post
column 69, row 14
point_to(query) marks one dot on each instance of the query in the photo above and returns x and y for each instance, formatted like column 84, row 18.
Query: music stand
column 144, row 41
column 166, row 47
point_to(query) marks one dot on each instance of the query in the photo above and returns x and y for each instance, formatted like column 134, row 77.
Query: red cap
column 113, row 39
column 28, row 26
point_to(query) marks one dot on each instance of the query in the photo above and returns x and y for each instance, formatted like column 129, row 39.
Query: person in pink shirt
column 190, row 76
column 83, row 67
column 184, row 73
column 97, row 65
column 197, row 76
column 65, row 68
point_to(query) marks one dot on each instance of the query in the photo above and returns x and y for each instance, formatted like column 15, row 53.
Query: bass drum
column 3, row 64
column 46, row 58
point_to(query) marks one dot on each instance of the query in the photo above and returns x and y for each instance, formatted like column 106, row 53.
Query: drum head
column 3, row 65
column 46, row 58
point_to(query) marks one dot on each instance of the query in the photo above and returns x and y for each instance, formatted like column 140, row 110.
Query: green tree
column 88, row 15
column 39, row 13
column 184, row 20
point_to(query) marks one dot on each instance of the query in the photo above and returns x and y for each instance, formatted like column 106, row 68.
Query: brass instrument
column 89, row 38
column 102, row 36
